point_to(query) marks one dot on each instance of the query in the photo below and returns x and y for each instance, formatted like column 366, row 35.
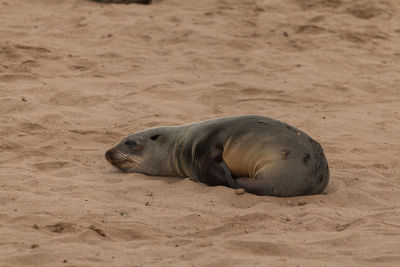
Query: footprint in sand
column 32, row 48
column 265, row 248
column 75, row 98
column 317, row 4
column 364, row 11
column 51, row 165
column 62, row 227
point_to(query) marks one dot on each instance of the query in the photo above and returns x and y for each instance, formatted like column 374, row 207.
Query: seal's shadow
column 332, row 187
column 167, row 179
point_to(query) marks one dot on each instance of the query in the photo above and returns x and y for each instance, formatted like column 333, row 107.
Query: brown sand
column 76, row 76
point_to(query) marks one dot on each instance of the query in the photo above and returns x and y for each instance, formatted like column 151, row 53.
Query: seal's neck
column 175, row 158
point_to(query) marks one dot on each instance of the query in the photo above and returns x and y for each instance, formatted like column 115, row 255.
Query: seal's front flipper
column 217, row 173
column 212, row 167
column 228, row 176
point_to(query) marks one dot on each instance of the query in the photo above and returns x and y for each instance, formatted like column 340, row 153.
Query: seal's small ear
column 154, row 137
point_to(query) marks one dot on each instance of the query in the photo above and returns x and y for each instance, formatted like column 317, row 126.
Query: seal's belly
column 238, row 167
column 245, row 158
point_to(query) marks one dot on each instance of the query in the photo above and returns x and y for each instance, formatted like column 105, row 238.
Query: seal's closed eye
column 131, row 143
column 134, row 148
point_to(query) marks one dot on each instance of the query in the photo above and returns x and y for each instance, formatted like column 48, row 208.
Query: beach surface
column 77, row 76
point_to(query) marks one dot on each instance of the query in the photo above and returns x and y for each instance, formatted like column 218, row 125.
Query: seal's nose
column 108, row 156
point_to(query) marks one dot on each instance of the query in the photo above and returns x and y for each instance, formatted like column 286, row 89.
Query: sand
column 77, row 76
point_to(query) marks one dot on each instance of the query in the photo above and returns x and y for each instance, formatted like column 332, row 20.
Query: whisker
column 124, row 159
column 136, row 162
column 123, row 156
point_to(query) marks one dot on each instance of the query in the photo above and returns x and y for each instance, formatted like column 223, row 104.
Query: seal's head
column 145, row 152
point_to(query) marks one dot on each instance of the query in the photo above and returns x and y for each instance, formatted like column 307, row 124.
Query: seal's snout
column 115, row 157
column 108, row 155
column 119, row 159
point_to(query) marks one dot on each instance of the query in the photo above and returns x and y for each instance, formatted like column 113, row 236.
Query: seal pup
column 259, row 154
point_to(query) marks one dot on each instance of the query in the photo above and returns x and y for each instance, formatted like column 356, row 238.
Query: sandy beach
column 77, row 76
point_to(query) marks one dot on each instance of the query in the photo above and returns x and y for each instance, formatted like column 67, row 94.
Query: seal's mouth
column 116, row 159
column 122, row 161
